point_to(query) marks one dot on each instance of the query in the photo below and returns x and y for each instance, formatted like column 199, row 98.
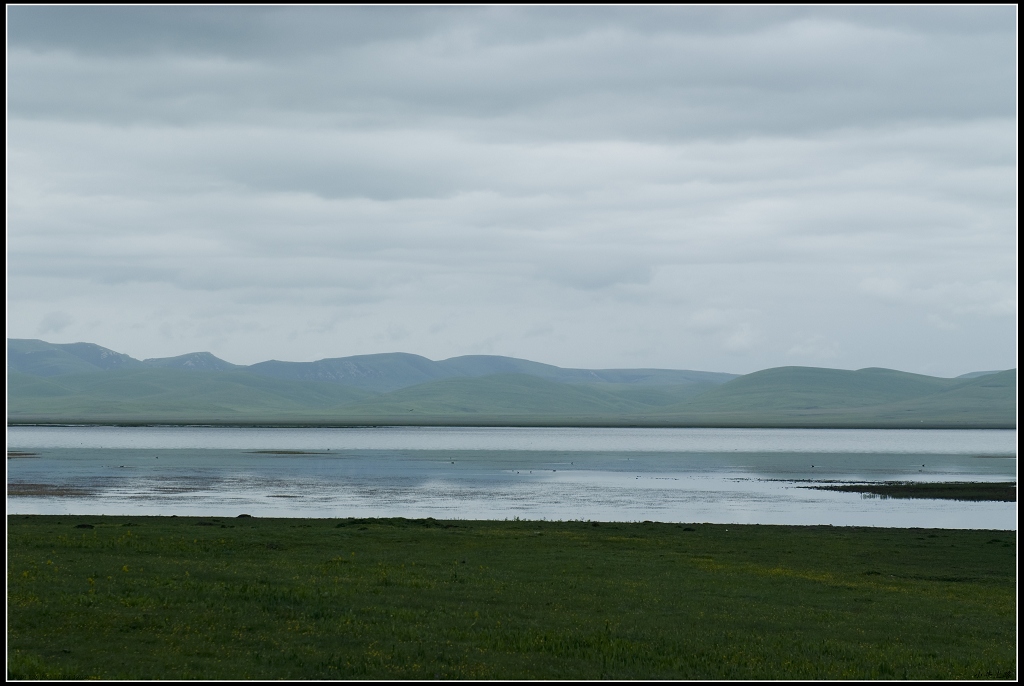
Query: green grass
column 118, row 597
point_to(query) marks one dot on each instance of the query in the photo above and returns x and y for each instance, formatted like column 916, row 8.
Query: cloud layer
column 603, row 187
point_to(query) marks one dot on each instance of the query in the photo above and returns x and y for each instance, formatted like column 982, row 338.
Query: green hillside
column 974, row 375
column 155, row 393
column 812, row 388
column 507, row 394
column 82, row 382
column 40, row 358
column 992, row 397
column 802, row 396
column 655, row 396
column 193, row 362
column 491, row 365
column 383, row 372
column 392, row 371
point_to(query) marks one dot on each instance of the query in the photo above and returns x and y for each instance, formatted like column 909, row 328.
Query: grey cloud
column 335, row 178
column 239, row 31
column 797, row 71
column 815, row 347
column 260, row 31
column 54, row 323
column 983, row 297
column 585, row 272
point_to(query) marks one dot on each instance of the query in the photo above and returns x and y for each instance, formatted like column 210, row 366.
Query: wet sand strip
column 285, row 452
column 48, row 490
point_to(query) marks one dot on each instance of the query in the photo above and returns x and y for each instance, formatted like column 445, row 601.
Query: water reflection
column 723, row 487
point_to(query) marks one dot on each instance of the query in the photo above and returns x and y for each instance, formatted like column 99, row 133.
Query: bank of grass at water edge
column 246, row 598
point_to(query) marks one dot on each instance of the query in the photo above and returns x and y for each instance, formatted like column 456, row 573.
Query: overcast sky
column 701, row 188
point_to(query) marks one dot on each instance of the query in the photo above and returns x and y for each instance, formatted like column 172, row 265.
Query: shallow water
column 675, row 475
column 894, row 441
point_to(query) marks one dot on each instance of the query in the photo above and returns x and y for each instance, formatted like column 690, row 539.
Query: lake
column 758, row 476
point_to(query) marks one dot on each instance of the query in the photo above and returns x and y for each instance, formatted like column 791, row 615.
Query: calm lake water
column 671, row 475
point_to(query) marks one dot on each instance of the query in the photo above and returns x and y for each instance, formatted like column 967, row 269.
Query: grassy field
column 163, row 598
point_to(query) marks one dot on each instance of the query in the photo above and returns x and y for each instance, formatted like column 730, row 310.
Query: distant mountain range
column 84, row 382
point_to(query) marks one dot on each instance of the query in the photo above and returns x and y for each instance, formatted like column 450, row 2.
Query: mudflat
column 1002, row 491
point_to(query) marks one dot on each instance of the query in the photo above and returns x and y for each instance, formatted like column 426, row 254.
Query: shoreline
column 589, row 522
column 71, row 493
column 418, row 521
column 507, row 422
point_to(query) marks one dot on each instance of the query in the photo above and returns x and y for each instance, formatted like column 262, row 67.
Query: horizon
column 591, row 187
column 452, row 357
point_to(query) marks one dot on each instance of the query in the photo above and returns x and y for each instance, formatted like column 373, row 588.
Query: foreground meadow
column 236, row 598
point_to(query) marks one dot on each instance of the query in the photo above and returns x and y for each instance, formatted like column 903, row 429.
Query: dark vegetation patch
column 1005, row 491
column 170, row 598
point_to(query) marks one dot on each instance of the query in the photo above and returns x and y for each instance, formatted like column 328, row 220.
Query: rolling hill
column 83, row 382
column 381, row 372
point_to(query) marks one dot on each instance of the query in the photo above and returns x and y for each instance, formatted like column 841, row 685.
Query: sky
column 723, row 189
